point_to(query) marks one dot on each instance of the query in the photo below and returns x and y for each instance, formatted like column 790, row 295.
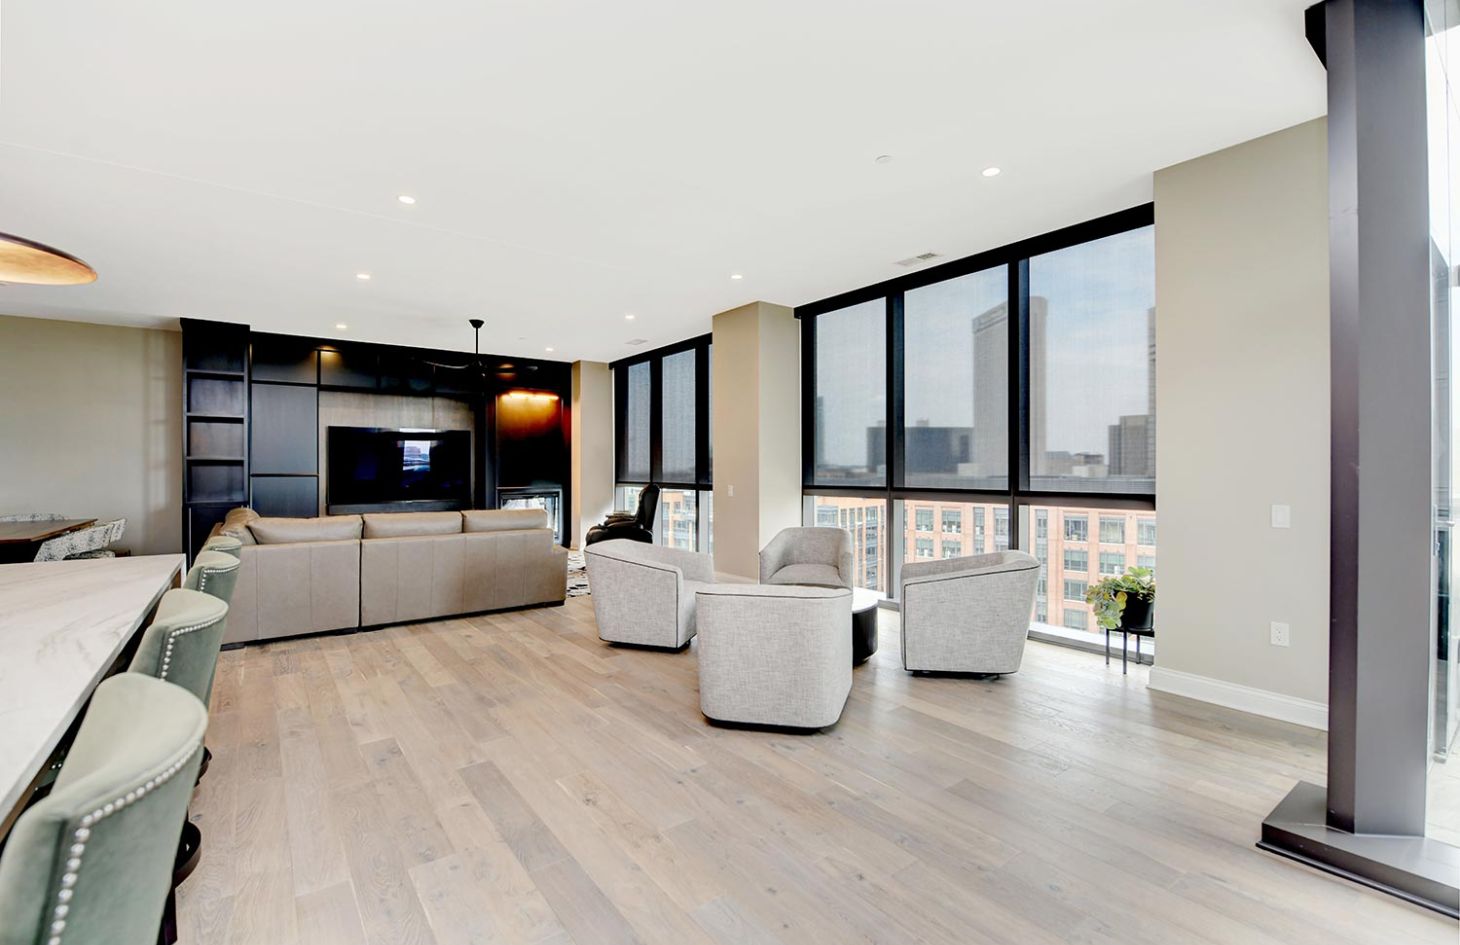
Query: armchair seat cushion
column 811, row 575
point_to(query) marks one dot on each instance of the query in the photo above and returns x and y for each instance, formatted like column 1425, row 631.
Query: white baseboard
column 1273, row 705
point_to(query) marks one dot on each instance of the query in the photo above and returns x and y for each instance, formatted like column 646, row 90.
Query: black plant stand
column 1125, row 636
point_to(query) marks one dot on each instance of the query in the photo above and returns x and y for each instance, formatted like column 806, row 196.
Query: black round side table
column 864, row 624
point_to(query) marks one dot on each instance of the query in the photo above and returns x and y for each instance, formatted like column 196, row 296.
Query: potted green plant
column 1124, row 602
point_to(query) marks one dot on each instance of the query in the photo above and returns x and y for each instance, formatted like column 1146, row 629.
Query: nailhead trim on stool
column 172, row 639
column 83, row 833
column 204, row 572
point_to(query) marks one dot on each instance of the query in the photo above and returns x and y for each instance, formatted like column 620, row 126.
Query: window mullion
column 1018, row 394
column 656, row 419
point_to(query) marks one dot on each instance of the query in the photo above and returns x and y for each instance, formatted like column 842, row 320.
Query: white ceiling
column 577, row 161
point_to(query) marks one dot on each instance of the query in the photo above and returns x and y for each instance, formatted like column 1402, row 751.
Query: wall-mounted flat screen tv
column 372, row 469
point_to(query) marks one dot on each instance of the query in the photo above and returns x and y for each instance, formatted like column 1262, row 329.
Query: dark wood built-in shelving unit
column 252, row 436
column 215, row 425
column 284, row 405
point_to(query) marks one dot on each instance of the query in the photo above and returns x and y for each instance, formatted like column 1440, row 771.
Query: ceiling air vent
column 637, row 341
column 918, row 260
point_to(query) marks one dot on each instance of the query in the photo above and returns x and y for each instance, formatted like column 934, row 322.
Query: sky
column 1098, row 295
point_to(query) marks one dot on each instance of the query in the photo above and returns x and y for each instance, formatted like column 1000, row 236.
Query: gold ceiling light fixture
column 24, row 262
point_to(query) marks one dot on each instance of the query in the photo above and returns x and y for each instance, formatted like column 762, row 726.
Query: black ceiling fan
column 480, row 371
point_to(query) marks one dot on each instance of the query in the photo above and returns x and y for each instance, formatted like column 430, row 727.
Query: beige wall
column 779, row 441
column 757, row 431
column 91, row 425
column 592, row 448
column 1242, row 348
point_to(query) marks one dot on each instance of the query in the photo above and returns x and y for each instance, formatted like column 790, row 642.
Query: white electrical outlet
column 1282, row 516
column 1280, row 634
column 732, row 492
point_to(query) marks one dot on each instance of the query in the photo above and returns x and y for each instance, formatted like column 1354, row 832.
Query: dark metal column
column 1382, row 595
column 1370, row 823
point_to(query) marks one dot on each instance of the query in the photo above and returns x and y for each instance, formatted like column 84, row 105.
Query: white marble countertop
column 62, row 624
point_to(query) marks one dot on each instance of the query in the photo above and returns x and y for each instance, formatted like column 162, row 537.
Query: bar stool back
column 93, row 861
column 224, row 544
column 213, row 572
column 181, row 646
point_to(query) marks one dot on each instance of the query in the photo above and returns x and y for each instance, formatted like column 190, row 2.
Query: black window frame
column 704, row 471
column 1018, row 496
column 704, row 474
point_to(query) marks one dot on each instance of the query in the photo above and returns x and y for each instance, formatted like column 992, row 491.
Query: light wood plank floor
column 508, row 778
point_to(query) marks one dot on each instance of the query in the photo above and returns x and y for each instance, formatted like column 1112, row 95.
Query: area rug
column 577, row 575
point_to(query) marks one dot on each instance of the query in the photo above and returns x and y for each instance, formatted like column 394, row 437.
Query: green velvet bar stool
column 92, row 863
column 224, row 544
column 213, row 572
column 181, row 646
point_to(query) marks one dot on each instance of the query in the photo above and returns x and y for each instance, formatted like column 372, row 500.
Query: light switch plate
column 1282, row 516
column 1281, row 634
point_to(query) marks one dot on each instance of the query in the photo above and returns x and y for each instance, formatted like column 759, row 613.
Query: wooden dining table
column 19, row 541
column 64, row 626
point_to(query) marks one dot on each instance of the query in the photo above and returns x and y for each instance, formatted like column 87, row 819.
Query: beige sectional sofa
column 309, row 575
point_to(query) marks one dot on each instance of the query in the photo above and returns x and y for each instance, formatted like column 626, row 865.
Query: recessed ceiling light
column 736, row 275
column 992, row 172
column 628, row 318
column 341, row 326
column 882, row 159
column 406, row 199
column 363, row 276
column 547, row 349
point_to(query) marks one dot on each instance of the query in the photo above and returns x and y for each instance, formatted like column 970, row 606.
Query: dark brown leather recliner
column 635, row 526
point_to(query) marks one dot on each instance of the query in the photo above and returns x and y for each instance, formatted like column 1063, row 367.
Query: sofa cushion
column 501, row 520
column 280, row 531
column 814, row 575
column 410, row 524
column 235, row 524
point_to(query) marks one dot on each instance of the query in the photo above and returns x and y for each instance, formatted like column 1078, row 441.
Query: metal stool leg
column 1107, row 647
column 1124, row 641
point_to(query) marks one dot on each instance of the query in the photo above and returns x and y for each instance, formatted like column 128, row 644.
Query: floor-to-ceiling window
column 662, row 415
column 1002, row 401
column 1442, row 59
column 866, row 518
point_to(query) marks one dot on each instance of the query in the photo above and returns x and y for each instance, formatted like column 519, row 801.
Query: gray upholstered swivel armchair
column 645, row 594
column 819, row 557
column 778, row 656
column 967, row 615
